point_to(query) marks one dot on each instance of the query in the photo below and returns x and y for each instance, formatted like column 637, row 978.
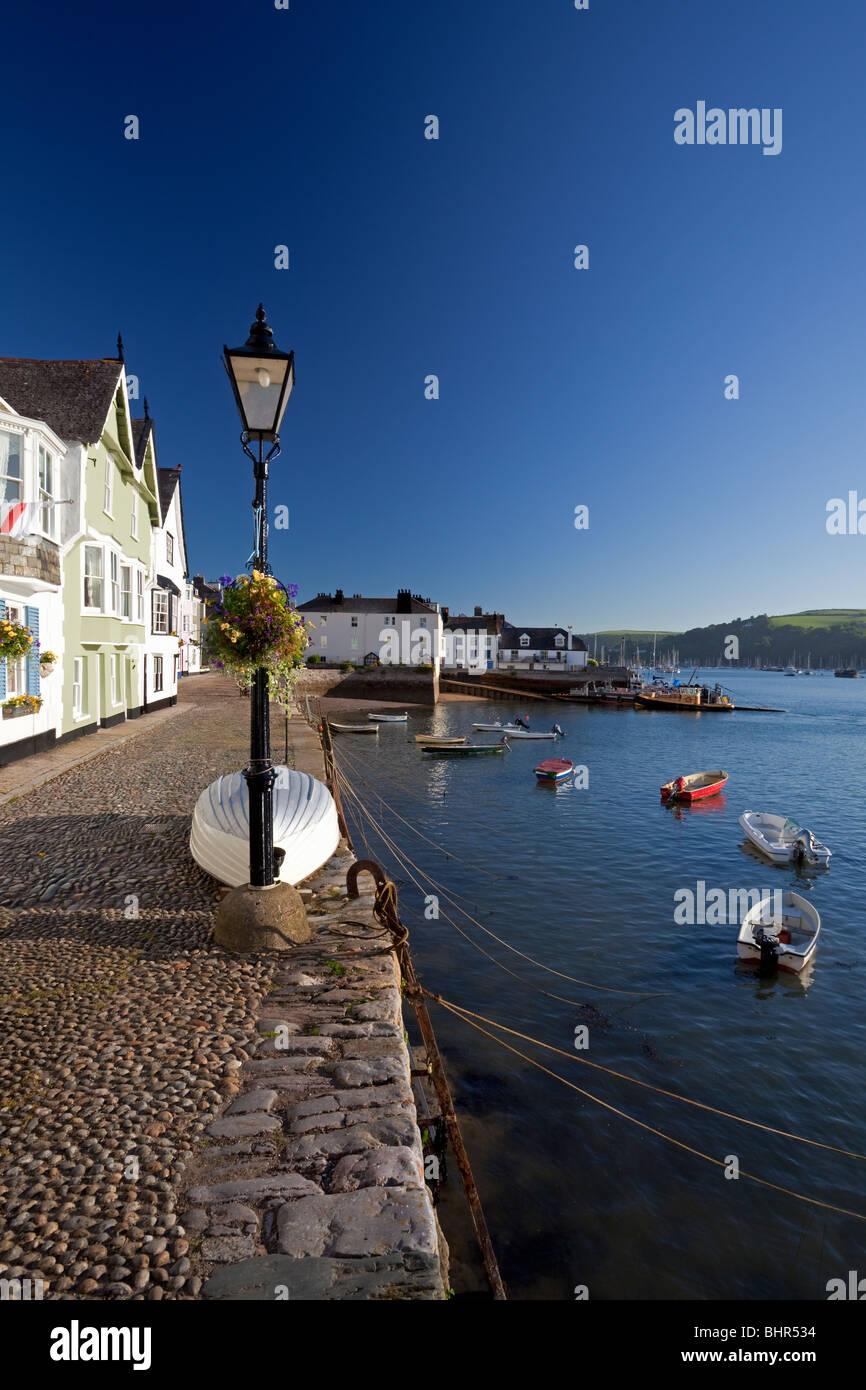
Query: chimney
column 477, row 611
column 338, row 596
column 404, row 601
column 444, row 617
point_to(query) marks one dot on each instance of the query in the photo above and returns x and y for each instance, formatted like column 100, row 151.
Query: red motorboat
column 694, row 787
column 554, row 770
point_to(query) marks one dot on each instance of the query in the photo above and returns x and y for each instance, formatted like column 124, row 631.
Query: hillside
column 827, row 637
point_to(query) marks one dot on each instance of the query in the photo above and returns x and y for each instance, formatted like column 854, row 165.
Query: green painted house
column 105, row 485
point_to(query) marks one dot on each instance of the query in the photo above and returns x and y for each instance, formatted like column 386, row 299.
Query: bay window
column 11, row 450
column 115, row 583
column 125, row 591
column 93, row 576
column 46, row 490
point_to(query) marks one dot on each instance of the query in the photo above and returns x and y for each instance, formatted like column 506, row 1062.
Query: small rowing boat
column 353, row 728
column 472, row 750
column 694, row 787
column 780, row 932
column 440, row 740
column 783, row 840
column 389, row 718
column 554, row 770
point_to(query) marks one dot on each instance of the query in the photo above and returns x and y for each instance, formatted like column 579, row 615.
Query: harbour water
column 585, row 882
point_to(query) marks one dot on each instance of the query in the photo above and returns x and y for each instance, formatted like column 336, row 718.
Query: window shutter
column 3, row 662
column 32, row 621
column 153, row 610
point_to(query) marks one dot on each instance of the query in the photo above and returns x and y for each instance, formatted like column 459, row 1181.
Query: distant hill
column 829, row 637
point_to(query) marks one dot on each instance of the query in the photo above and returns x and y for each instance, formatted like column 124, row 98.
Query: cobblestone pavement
column 121, row 1025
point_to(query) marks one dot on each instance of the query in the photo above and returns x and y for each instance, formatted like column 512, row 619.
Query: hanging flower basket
column 15, row 640
column 20, row 705
column 254, row 625
column 47, row 663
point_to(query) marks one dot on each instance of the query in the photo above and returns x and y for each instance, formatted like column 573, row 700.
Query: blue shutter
column 31, row 618
column 3, row 662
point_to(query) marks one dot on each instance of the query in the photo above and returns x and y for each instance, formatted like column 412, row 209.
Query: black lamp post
column 262, row 378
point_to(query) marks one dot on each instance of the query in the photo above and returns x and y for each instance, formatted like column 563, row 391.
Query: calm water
column 585, row 881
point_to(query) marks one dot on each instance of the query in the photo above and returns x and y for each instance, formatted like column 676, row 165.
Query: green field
column 820, row 617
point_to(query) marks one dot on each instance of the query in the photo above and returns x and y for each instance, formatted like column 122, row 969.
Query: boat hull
column 478, row 751
column 797, row 918
column 305, row 826
column 686, row 705
column 696, row 787
column 353, row 728
column 554, row 770
column 781, row 840
column 388, row 718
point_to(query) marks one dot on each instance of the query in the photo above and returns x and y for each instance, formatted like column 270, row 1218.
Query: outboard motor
column 769, row 962
column 522, row 720
column 279, row 856
column 556, row 730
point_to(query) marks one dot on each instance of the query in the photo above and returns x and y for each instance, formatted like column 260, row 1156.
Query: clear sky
column 408, row 256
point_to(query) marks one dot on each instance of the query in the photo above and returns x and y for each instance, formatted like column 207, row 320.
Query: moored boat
column 694, row 698
column 471, row 750
column 554, row 770
column 353, row 728
column 848, row 673
column 440, row 740
column 782, row 839
column 780, row 932
column 389, row 718
column 305, row 827
column 555, row 732
column 694, row 787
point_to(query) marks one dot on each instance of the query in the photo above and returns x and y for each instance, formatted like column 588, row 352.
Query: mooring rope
column 688, row 1148
column 647, row 1085
column 573, row 979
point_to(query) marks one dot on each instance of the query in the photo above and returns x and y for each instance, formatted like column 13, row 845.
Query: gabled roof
column 167, row 480
column 491, row 623
column 141, row 432
column 74, row 398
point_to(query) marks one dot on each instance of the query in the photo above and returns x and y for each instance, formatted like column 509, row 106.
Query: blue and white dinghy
column 305, row 826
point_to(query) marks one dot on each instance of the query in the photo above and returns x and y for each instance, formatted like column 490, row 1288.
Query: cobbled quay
column 134, row 1054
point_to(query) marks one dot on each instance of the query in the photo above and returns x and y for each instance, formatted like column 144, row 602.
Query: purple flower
column 225, row 580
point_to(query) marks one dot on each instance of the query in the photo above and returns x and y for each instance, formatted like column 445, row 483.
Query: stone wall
column 311, row 1183
column 29, row 558
column 402, row 684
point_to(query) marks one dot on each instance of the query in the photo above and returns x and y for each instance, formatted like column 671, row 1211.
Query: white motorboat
column 389, row 718
column 780, row 932
column 783, row 840
column 305, row 826
column 496, row 728
column 519, row 732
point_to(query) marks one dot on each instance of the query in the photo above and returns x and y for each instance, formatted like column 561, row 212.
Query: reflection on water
column 585, row 882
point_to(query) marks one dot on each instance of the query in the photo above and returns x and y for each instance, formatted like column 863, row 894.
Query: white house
column 403, row 630
column 32, row 476
column 471, row 643
column 168, row 577
column 543, row 648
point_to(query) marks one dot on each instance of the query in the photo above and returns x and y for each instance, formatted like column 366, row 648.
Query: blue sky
column 558, row 387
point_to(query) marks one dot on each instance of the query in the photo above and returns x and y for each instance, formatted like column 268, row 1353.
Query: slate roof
column 167, row 480
column 491, row 623
column 540, row 638
column 74, row 398
column 141, row 432
column 355, row 603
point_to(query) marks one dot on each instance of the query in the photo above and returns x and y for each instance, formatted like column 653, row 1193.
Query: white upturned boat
column 783, row 840
column 389, row 718
column 780, row 932
column 305, row 826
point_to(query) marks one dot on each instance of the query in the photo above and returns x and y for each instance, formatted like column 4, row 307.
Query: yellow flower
column 256, row 576
column 223, row 627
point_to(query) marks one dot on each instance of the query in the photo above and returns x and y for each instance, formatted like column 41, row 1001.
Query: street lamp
column 262, row 378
